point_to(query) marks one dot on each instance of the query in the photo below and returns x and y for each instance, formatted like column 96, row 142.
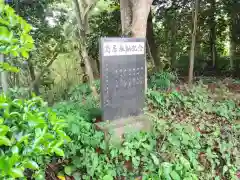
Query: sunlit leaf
column 31, row 165
column 16, row 173
column 5, row 141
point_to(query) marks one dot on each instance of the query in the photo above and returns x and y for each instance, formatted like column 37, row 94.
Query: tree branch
column 37, row 78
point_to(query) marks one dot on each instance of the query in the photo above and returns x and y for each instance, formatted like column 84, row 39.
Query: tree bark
column 126, row 16
column 83, row 43
column 35, row 82
column 213, row 32
column 173, row 53
column 134, row 15
column 152, row 43
column 192, row 53
column 140, row 12
column 233, row 44
column 166, row 26
column 4, row 77
column 35, row 86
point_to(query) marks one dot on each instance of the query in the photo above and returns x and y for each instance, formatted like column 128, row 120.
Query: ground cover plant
column 30, row 134
column 194, row 137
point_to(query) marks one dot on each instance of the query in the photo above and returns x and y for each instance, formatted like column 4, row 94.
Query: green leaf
column 155, row 159
column 15, row 150
column 175, row 175
column 174, row 140
column 3, row 130
column 68, row 170
column 58, row 151
column 185, row 162
column 40, row 176
column 225, row 169
column 136, row 161
column 63, row 135
column 25, row 54
column 23, row 139
column 185, row 139
column 4, row 164
column 5, row 34
column 31, row 165
column 77, row 176
column 5, row 141
column 167, row 168
column 107, row 177
column 16, row 173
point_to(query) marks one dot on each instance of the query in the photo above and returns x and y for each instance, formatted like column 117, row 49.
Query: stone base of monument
column 114, row 130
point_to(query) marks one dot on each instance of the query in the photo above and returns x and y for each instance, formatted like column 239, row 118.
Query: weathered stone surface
column 114, row 130
column 122, row 64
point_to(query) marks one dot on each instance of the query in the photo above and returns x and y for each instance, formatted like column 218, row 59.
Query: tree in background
column 192, row 51
column 82, row 9
column 167, row 26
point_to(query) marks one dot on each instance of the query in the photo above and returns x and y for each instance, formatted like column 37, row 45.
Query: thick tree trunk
column 126, row 16
column 152, row 43
column 192, row 53
column 134, row 13
column 140, row 12
column 4, row 78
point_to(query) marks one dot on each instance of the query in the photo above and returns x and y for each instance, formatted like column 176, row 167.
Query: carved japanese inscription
column 122, row 77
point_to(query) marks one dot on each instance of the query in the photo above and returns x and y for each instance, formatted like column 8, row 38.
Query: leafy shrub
column 82, row 91
column 169, row 151
column 87, row 109
column 17, row 93
column 162, row 81
column 29, row 133
column 196, row 100
column 15, row 33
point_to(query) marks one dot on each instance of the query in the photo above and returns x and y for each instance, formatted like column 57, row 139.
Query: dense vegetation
column 189, row 141
column 50, row 100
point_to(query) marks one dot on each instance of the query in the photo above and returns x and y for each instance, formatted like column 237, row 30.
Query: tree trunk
column 192, row 53
column 233, row 44
column 126, row 16
column 140, row 12
column 4, row 79
column 134, row 13
column 95, row 69
column 212, row 25
column 36, row 79
column 198, row 35
column 83, row 43
column 173, row 53
column 152, row 43
column 33, row 78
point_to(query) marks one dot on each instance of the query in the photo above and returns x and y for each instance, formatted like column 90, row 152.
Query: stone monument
column 123, row 75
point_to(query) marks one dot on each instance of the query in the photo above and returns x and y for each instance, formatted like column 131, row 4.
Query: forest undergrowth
column 196, row 135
